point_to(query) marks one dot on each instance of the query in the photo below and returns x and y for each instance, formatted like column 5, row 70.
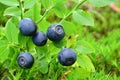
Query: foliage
column 77, row 24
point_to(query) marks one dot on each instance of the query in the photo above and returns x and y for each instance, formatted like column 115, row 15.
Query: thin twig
column 80, row 3
column 46, row 12
column 21, row 6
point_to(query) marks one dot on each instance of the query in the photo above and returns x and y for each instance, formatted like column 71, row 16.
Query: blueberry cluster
column 55, row 33
column 28, row 28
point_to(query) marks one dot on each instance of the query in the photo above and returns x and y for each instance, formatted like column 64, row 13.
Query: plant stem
column 46, row 12
column 54, row 57
column 79, row 3
column 18, row 75
column 21, row 6
column 30, row 73
column 12, row 75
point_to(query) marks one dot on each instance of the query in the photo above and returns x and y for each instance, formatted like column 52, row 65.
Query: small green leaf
column 79, row 73
column 42, row 51
column 6, row 63
column 11, row 52
column 43, row 25
column 3, row 45
column 29, row 3
column 4, row 50
column 60, row 44
column 10, row 2
column 12, row 11
column 69, row 27
column 43, row 66
column 101, row 3
column 22, row 39
column 85, row 62
column 71, row 41
column 55, row 2
column 60, row 10
column 11, row 32
column 15, row 20
column 46, row 3
column 2, row 32
column 4, row 54
column 34, row 12
column 83, row 18
column 83, row 47
column 30, row 44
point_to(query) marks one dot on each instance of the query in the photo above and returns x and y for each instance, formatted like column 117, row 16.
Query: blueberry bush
column 59, row 40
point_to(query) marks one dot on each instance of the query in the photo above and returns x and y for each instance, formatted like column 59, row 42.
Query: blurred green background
column 104, row 38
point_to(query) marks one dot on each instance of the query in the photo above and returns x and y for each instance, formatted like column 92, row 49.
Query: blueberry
column 67, row 57
column 55, row 32
column 25, row 60
column 27, row 27
column 39, row 38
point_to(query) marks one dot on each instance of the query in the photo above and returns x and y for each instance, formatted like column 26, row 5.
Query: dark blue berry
column 67, row 57
column 55, row 32
column 25, row 60
column 39, row 38
column 27, row 27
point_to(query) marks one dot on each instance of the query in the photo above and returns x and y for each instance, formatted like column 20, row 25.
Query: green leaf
column 29, row 3
column 83, row 47
column 46, row 3
column 2, row 32
column 79, row 73
column 10, row 2
column 11, row 32
column 69, row 27
column 12, row 11
column 3, row 45
column 12, row 51
column 43, row 66
column 22, row 39
column 75, row 1
column 30, row 44
column 4, row 54
column 4, row 50
column 42, row 52
column 43, row 25
column 82, row 17
column 34, row 12
column 71, row 41
column 55, row 2
column 60, row 10
column 101, row 3
column 60, row 44
column 15, row 20
column 6, row 63
column 85, row 62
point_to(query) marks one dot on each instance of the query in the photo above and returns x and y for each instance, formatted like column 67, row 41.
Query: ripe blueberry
column 55, row 32
column 27, row 27
column 39, row 38
column 67, row 57
column 25, row 60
